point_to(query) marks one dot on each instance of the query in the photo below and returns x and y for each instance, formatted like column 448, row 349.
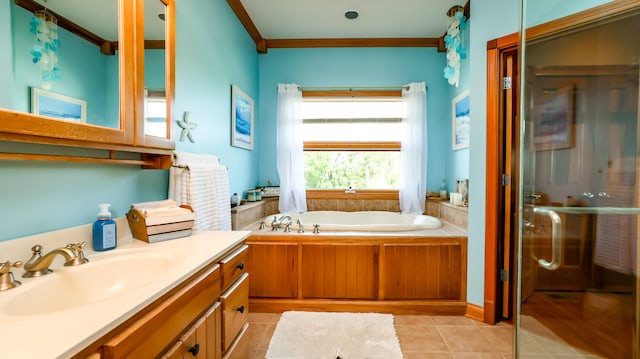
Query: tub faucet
column 316, row 229
column 38, row 265
column 300, row 226
column 280, row 222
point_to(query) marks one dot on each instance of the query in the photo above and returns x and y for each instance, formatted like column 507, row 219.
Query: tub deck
column 446, row 230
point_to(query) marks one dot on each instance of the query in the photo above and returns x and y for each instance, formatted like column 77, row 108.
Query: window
column 352, row 142
column 155, row 111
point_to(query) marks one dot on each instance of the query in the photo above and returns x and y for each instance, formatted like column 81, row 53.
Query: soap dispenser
column 104, row 230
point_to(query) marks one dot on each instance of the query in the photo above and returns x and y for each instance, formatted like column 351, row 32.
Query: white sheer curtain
column 413, row 187
column 290, row 156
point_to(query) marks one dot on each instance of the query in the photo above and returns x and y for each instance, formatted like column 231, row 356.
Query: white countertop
column 63, row 333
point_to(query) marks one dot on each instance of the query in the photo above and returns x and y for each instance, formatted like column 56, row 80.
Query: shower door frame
column 495, row 216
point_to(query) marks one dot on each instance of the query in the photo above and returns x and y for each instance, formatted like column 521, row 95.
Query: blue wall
column 458, row 160
column 6, row 55
column 338, row 67
column 213, row 51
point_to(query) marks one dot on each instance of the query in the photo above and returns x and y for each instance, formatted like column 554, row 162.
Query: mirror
column 65, row 62
column 156, row 105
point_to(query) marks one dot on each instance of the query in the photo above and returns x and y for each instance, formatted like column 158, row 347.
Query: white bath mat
column 321, row 335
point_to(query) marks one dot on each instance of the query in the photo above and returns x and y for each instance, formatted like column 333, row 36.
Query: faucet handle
column 37, row 250
column 5, row 267
column 287, row 227
column 76, row 247
column 6, row 277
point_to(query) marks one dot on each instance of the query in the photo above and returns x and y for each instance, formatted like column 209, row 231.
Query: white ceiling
column 287, row 19
column 309, row 19
column 101, row 16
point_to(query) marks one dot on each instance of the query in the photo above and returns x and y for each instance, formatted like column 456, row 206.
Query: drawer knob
column 240, row 309
column 240, row 266
column 194, row 349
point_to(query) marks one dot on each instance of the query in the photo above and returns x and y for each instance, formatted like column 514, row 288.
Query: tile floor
column 447, row 337
column 420, row 336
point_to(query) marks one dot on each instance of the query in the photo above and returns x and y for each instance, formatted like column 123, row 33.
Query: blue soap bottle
column 104, row 230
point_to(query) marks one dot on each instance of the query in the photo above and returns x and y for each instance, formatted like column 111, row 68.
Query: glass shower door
column 578, row 266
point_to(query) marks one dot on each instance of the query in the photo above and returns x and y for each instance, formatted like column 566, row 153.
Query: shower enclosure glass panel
column 580, row 193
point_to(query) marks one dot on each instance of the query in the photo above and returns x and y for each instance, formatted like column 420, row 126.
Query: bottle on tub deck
column 443, row 189
column 235, row 200
column 104, row 230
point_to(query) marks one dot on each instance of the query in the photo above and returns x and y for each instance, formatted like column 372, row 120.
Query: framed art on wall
column 242, row 129
column 553, row 120
column 460, row 121
column 58, row 106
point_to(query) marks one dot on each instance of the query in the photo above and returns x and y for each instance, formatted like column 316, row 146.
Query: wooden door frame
column 494, row 205
column 493, row 185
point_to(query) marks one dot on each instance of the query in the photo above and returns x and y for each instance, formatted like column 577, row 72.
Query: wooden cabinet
column 239, row 349
column 334, row 270
column 274, row 270
column 153, row 332
column 194, row 320
column 575, row 270
column 202, row 340
column 233, row 266
column 383, row 273
column 235, row 310
column 423, row 271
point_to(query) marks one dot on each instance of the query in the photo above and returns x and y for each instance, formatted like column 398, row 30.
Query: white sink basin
column 106, row 276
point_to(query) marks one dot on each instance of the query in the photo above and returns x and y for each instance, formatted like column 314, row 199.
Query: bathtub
column 370, row 221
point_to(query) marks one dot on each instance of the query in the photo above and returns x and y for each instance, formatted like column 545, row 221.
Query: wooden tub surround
column 399, row 273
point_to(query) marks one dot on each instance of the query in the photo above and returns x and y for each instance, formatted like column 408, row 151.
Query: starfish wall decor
column 187, row 127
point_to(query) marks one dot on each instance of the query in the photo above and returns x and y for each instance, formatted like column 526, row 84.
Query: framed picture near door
column 553, row 119
column 461, row 122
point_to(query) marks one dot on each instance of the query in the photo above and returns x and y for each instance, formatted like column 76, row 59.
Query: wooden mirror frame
column 143, row 139
column 28, row 127
column 25, row 127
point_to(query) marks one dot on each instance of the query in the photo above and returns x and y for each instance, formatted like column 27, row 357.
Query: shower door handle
column 557, row 245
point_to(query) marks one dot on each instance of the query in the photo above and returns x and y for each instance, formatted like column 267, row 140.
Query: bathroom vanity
column 172, row 298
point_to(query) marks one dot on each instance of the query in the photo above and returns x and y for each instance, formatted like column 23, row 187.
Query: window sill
column 359, row 194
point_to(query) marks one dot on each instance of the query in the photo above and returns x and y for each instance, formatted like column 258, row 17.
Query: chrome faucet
column 300, row 226
column 38, row 265
column 280, row 222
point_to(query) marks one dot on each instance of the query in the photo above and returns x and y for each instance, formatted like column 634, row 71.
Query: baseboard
column 475, row 312
column 414, row 307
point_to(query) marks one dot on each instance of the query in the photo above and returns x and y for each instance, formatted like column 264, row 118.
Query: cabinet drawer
column 235, row 310
column 239, row 349
column 233, row 266
column 153, row 332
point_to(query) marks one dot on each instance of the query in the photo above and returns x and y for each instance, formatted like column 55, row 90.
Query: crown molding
column 262, row 44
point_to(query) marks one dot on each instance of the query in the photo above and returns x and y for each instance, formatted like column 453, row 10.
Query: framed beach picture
column 58, row 106
column 461, row 121
column 553, row 120
column 241, row 119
